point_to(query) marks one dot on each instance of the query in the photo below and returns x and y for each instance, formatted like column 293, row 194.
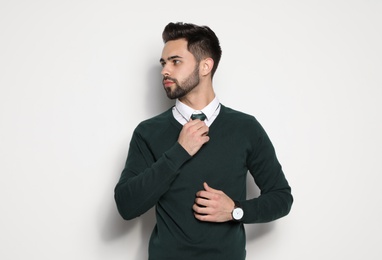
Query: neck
column 198, row 99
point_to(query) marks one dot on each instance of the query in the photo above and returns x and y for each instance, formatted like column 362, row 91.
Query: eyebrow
column 171, row 58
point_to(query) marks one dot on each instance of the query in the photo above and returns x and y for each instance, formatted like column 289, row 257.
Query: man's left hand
column 213, row 205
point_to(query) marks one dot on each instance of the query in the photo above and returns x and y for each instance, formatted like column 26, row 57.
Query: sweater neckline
column 212, row 126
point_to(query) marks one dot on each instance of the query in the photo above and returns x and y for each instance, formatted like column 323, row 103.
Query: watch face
column 238, row 213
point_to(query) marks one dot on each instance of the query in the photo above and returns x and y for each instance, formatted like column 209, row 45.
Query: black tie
column 198, row 116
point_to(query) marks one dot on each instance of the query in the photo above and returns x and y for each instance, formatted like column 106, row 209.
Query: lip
column 167, row 83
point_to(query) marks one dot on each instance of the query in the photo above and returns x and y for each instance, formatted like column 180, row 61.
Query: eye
column 162, row 63
column 175, row 62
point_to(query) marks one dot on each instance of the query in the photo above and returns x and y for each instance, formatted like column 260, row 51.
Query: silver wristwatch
column 237, row 212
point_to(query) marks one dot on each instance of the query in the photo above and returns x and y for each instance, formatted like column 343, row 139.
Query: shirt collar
column 187, row 111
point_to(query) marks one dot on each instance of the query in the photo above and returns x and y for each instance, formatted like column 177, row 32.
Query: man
column 194, row 170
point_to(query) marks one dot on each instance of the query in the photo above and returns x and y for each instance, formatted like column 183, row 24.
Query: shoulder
column 239, row 118
column 158, row 123
column 246, row 128
column 158, row 119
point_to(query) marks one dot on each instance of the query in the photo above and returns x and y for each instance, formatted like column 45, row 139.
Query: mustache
column 168, row 78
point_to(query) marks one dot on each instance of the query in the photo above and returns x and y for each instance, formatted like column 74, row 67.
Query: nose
column 165, row 71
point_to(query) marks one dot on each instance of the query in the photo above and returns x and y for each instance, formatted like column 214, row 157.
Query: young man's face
column 180, row 70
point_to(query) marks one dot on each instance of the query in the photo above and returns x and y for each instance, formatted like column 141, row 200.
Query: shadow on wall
column 255, row 231
column 157, row 100
column 115, row 227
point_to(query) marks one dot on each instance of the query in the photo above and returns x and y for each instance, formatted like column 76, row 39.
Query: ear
column 206, row 66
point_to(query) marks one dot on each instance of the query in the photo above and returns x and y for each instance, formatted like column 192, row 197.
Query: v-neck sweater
column 159, row 172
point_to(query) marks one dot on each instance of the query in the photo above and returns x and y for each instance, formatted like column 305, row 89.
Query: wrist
column 237, row 212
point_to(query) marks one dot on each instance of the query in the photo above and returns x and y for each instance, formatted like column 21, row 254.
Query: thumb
column 208, row 188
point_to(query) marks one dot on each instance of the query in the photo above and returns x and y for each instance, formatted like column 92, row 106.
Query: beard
column 181, row 90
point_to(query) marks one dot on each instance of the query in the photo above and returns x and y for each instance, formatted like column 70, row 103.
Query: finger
column 201, row 127
column 196, row 122
column 205, row 218
column 209, row 189
column 205, row 195
column 202, row 202
column 198, row 129
column 205, row 138
column 204, row 130
column 201, row 210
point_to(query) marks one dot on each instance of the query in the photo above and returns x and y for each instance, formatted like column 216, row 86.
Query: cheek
column 180, row 74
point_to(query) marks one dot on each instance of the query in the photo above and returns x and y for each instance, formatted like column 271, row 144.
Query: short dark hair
column 202, row 42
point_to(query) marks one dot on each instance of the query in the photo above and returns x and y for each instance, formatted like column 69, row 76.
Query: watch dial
column 238, row 213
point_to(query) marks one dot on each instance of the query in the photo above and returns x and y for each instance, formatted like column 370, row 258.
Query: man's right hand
column 193, row 135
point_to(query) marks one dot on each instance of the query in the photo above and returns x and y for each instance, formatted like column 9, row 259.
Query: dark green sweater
column 159, row 172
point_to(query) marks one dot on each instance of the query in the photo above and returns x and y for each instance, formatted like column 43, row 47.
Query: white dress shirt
column 182, row 112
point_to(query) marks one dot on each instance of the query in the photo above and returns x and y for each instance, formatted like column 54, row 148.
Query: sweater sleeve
column 275, row 200
column 144, row 180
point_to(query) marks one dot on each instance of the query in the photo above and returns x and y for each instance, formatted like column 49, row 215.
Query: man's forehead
column 175, row 48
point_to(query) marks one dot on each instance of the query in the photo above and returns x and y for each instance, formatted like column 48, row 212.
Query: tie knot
column 200, row 116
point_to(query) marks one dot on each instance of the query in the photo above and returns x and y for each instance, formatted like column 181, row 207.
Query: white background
column 76, row 77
